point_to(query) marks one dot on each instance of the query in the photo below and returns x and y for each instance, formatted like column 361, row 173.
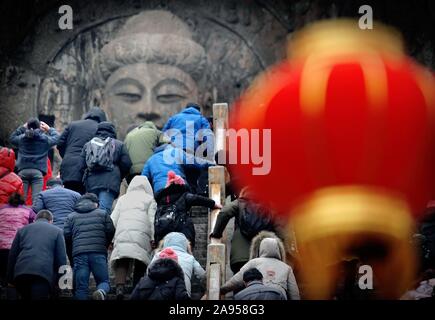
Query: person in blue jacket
column 58, row 200
column 34, row 139
column 167, row 158
column 187, row 124
column 187, row 130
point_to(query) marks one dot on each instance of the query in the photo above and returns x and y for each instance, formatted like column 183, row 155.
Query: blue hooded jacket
column 166, row 158
column 188, row 138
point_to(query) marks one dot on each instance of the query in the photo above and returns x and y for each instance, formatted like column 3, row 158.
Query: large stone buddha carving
column 152, row 66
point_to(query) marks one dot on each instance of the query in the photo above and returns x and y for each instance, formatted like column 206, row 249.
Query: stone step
column 200, row 219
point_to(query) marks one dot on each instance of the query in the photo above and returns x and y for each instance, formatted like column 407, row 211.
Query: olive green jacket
column 140, row 143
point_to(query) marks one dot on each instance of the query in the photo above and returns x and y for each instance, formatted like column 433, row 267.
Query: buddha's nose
column 146, row 104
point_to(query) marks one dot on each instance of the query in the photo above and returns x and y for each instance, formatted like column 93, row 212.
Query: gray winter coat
column 276, row 273
column 179, row 243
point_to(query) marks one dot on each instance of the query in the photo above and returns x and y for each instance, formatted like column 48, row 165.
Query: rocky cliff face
column 57, row 73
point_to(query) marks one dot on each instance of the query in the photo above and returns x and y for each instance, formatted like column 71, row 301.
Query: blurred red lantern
column 352, row 129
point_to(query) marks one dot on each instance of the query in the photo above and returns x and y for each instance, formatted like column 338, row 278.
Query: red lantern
column 352, row 141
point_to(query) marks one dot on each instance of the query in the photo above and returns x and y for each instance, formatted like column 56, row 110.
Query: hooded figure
column 71, row 143
column 106, row 183
column 164, row 281
column 275, row 272
column 240, row 244
column 88, row 231
column 187, row 124
column 140, row 143
column 167, row 158
column 179, row 243
column 175, row 197
column 9, row 182
column 254, row 251
column 133, row 218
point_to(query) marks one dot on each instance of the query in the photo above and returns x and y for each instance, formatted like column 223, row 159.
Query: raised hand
column 45, row 127
column 217, row 206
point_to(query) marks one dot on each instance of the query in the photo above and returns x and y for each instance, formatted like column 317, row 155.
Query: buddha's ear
column 103, row 103
column 96, row 98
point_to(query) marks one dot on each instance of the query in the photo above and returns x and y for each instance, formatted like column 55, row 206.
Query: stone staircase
column 200, row 219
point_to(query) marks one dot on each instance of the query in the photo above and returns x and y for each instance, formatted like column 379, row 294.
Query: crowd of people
column 82, row 219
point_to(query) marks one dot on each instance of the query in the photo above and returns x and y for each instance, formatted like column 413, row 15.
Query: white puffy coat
column 133, row 218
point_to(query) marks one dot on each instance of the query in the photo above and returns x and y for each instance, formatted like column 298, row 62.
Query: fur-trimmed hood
column 165, row 269
column 255, row 245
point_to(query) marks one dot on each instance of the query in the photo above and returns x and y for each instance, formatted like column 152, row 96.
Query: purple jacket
column 12, row 219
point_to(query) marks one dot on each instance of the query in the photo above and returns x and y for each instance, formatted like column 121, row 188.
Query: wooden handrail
column 220, row 124
column 215, row 249
column 216, row 254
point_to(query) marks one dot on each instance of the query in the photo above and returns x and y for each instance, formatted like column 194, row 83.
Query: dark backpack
column 254, row 218
column 169, row 218
column 100, row 154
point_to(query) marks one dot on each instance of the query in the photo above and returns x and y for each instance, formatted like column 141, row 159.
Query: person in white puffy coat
column 133, row 218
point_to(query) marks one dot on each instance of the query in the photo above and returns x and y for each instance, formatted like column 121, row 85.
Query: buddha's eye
column 171, row 91
column 129, row 97
column 128, row 90
column 170, row 98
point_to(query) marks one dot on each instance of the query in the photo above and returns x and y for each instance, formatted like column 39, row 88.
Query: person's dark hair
column 193, row 105
column 210, row 121
column 52, row 182
column 428, row 274
column 16, row 199
column 33, row 123
column 90, row 196
column 45, row 214
column 131, row 128
column 252, row 275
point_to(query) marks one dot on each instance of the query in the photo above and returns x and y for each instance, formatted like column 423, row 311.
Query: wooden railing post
column 216, row 189
column 220, row 124
column 216, row 254
column 215, row 249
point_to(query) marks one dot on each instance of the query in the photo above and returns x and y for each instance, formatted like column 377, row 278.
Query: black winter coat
column 72, row 140
column 427, row 229
column 107, row 180
column 88, row 229
column 185, row 201
column 38, row 249
column 164, row 281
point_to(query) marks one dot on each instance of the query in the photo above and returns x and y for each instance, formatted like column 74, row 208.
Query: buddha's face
column 146, row 88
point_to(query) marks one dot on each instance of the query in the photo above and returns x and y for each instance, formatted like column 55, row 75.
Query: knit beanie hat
column 174, row 179
column 168, row 253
